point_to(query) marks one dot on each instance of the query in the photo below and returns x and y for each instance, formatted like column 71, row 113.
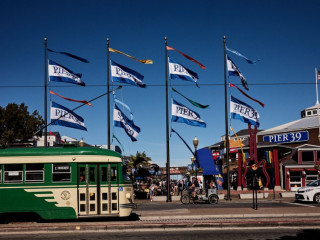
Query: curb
column 233, row 216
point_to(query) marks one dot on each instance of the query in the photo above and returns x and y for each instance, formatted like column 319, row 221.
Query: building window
column 34, row 173
column 295, row 180
column 318, row 157
column 309, row 113
column 307, row 156
column 61, row 173
column 311, row 176
column 13, row 173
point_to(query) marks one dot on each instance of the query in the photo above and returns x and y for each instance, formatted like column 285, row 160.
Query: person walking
column 151, row 189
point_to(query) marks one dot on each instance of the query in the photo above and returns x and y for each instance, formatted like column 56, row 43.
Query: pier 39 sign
column 287, row 137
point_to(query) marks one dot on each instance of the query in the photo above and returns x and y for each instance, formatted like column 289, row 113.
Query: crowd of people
column 159, row 188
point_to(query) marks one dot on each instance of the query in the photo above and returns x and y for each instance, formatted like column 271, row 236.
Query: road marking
column 300, row 204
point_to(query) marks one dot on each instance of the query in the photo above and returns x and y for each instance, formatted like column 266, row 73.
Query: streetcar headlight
column 128, row 195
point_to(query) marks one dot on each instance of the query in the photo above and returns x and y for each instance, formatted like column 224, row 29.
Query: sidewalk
column 236, row 195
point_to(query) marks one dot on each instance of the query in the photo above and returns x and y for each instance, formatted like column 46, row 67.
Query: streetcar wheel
column 213, row 199
column 185, row 199
column 316, row 198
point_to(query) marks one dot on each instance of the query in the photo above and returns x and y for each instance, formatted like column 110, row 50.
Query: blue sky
column 283, row 34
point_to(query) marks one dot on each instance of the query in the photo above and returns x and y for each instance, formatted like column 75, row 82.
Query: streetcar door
column 88, row 189
column 104, row 189
column 113, row 188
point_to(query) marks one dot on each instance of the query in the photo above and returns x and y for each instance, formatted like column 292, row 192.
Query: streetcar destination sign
column 287, row 137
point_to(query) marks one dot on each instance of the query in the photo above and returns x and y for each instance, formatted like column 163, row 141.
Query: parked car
column 310, row 192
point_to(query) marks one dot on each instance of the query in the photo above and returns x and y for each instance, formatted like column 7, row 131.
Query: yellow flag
column 147, row 61
column 240, row 144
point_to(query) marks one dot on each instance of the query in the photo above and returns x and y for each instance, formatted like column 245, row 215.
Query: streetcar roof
column 56, row 151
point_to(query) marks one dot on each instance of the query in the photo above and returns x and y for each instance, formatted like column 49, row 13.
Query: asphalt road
column 185, row 234
column 156, row 206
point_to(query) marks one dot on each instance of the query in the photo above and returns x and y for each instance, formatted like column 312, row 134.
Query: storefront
column 301, row 166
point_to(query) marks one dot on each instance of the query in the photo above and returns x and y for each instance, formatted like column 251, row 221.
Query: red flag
column 73, row 100
column 186, row 56
column 231, row 85
column 51, row 133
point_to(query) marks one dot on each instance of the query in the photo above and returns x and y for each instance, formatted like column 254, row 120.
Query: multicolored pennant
column 186, row 56
column 232, row 85
column 240, row 55
column 172, row 130
column 70, row 55
column 191, row 101
column 147, row 61
column 73, row 100
column 114, row 137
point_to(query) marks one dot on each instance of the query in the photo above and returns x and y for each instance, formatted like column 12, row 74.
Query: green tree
column 139, row 162
column 139, row 159
column 17, row 125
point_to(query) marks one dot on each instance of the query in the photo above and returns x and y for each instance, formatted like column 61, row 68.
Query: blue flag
column 240, row 55
column 234, row 71
column 71, row 55
column 243, row 112
column 63, row 116
column 123, row 74
column 179, row 72
column 121, row 120
column 59, row 73
column 181, row 113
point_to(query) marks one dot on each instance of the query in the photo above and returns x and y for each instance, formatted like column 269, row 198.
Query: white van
column 310, row 192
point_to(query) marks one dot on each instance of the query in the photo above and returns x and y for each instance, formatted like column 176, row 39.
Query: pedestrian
column 151, row 188
column 180, row 188
column 201, row 187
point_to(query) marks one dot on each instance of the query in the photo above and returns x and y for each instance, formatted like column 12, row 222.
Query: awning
column 295, row 169
column 206, row 162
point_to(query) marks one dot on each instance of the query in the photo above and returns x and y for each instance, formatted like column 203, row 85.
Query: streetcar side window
column 0, row 174
column 13, row 173
column 34, row 173
column 61, row 173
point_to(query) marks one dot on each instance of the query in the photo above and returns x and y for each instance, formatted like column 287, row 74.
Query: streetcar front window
column 61, row 173
column 113, row 174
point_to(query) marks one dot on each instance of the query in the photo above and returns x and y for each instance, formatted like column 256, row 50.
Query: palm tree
column 139, row 159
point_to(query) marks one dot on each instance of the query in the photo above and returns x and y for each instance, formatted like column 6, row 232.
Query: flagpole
column 108, row 90
column 45, row 93
column 316, row 70
column 167, row 125
column 226, row 119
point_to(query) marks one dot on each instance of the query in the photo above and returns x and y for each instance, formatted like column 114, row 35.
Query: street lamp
column 195, row 144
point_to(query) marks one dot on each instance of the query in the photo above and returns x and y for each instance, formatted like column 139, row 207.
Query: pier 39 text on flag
column 244, row 112
column 177, row 71
column 59, row 73
column 120, row 120
column 181, row 113
column 123, row 74
column 63, row 116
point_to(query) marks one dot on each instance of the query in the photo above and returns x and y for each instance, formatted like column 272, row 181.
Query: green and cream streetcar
column 63, row 183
